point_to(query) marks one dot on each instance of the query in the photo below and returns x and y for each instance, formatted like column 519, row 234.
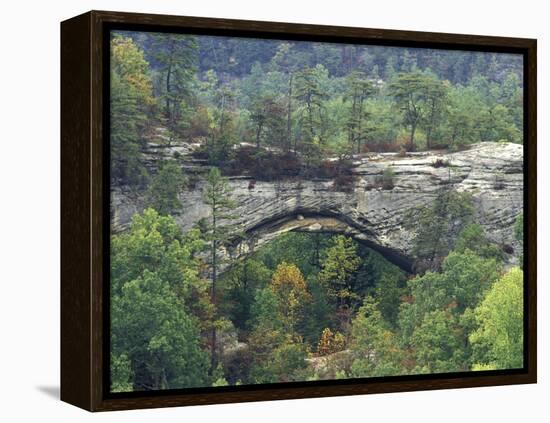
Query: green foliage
column 436, row 318
column 155, row 243
column 464, row 279
column 498, row 340
column 163, row 192
column 220, row 382
column 436, row 98
column 162, row 341
column 265, row 308
column 386, row 181
column 374, row 346
column 315, row 99
column 465, row 115
column 217, row 231
column 473, row 238
column 156, row 292
column 358, row 91
column 438, row 224
column 176, row 57
column 223, row 131
column 131, row 103
column 277, row 351
column 304, row 250
column 277, row 358
column 390, row 288
column 311, row 112
column 518, row 234
column 239, row 286
column 410, row 94
column 438, row 344
column 318, row 313
column 268, row 115
column 338, row 267
column 217, row 195
column 302, row 105
column 121, row 373
column 518, row 228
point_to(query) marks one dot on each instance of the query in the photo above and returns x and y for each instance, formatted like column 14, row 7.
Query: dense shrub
column 341, row 171
column 200, row 153
column 384, row 146
column 439, row 162
column 263, row 165
column 386, row 180
column 344, row 183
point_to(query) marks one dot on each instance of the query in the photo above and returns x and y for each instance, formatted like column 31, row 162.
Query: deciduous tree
column 373, row 345
column 131, row 104
column 498, row 340
column 290, row 288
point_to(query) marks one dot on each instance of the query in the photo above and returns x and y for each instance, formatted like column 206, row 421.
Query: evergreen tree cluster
column 316, row 100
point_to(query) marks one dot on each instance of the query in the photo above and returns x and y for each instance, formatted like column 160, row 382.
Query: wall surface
column 29, row 175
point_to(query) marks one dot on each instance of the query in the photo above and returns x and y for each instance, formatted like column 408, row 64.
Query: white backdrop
column 29, row 210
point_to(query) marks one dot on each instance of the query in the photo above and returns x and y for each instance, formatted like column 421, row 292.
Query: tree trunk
column 167, row 104
column 359, row 123
column 213, row 358
column 411, row 140
column 168, row 77
column 222, row 112
column 430, row 126
column 351, row 133
column 289, row 114
column 258, row 133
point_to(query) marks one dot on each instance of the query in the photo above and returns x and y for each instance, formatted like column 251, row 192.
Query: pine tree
column 219, row 230
column 177, row 56
column 165, row 187
column 284, row 60
column 436, row 101
column 409, row 94
column 311, row 98
column 337, row 271
column 359, row 89
column 268, row 116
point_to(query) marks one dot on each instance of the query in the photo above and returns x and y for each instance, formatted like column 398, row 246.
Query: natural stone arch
column 313, row 222
column 491, row 172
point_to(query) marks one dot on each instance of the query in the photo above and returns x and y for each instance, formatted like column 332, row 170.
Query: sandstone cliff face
column 491, row 172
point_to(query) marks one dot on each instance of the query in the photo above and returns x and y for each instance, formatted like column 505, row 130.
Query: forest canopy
column 190, row 112
column 314, row 100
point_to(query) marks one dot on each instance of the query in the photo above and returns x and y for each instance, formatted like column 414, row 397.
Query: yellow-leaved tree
column 290, row 287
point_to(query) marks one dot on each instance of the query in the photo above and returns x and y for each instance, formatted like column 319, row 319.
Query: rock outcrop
column 491, row 172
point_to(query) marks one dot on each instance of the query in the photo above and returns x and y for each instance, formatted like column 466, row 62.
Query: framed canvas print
column 257, row 211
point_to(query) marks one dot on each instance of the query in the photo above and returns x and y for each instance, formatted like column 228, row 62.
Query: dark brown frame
column 85, row 209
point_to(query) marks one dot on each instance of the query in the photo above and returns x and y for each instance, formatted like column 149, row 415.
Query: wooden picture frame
column 85, row 210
